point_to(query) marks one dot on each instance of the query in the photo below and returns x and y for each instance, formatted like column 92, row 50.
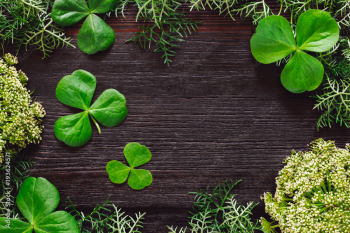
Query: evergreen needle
column 28, row 23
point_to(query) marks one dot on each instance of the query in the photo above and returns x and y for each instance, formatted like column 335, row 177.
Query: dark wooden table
column 215, row 114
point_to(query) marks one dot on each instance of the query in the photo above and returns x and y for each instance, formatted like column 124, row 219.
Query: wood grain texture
column 215, row 114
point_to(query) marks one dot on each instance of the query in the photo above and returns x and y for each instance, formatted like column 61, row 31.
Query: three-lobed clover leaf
column 36, row 200
column 136, row 155
column 77, row 90
column 316, row 31
column 95, row 34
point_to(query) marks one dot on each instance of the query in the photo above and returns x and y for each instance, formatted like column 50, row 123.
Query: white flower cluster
column 20, row 117
column 313, row 191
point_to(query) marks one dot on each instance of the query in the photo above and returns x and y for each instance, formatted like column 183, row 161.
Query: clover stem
column 97, row 126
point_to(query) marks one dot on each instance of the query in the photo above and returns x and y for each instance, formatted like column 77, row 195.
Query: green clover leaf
column 273, row 40
column 77, row 90
column 95, row 34
column 302, row 72
column 316, row 31
column 136, row 155
column 36, row 200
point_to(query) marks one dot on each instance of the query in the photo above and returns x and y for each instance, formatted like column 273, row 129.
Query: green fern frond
column 255, row 10
column 47, row 36
column 171, row 28
column 28, row 22
column 334, row 98
column 216, row 211
column 174, row 230
column 106, row 217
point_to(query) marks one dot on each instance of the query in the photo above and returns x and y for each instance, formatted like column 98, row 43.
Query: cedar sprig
column 47, row 37
column 334, row 98
column 119, row 222
column 96, row 220
column 246, row 9
column 343, row 12
column 106, row 217
column 339, row 9
column 156, row 10
column 223, row 6
column 171, row 28
column 165, row 24
column 20, row 165
column 217, row 210
column 256, row 11
column 175, row 230
column 119, row 10
column 28, row 22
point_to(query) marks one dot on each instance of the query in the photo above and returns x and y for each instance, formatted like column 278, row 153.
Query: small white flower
column 20, row 117
column 313, row 191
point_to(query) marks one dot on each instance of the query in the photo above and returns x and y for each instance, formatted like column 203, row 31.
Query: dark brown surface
column 213, row 115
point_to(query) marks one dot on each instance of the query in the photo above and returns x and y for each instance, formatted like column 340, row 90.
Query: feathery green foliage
column 343, row 11
column 28, row 22
column 337, row 8
column 106, row 218
column 168, row 25
column 217, row 211
column 173, row 27
column 334, row 98
column 254, row 10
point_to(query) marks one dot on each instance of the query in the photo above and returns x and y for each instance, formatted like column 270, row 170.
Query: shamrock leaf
column 67, row 12
column 74, row 130
column 77, row 90
column 95, row 35
column 14, row 226
column 136, row 155
column 36, row 200
column 273, row 40
column 316, row 31
column 302, row 72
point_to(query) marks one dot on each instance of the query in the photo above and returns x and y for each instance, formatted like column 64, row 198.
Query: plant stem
column 97, row 126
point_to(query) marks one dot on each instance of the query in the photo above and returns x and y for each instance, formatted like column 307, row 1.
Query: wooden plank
column 215, row 114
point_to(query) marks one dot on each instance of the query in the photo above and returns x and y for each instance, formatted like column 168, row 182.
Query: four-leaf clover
column 36, row 200
column 77, row 90
column 316, row 31
column 136, row 155
column 95, row 34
